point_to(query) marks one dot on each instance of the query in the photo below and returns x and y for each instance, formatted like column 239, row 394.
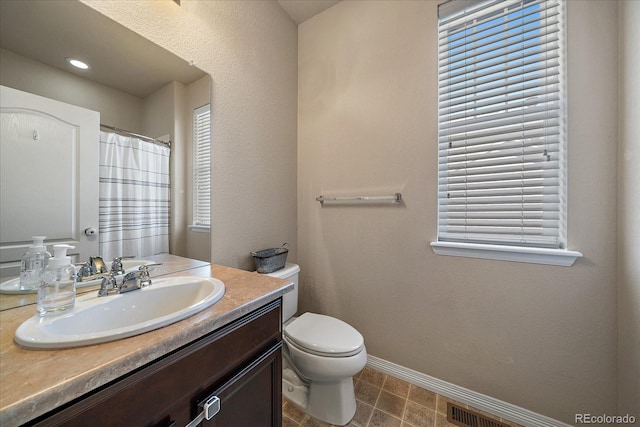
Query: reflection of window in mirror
column 201, row 169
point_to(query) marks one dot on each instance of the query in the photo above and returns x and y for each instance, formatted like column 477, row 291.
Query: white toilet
column 321, row 354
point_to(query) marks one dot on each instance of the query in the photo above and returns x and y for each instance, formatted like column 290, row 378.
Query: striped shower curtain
column 134, row 197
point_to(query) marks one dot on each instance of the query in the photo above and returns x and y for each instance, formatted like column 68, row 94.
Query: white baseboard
column 468, row 397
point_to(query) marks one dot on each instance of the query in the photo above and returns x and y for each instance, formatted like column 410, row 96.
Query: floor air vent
column 467, row 418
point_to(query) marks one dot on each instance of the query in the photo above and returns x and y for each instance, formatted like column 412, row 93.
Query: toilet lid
column 324, row 335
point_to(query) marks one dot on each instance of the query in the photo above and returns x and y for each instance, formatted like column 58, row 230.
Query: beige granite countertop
column 33, row 382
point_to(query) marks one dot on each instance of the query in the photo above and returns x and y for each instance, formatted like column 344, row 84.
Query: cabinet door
column 253, row 396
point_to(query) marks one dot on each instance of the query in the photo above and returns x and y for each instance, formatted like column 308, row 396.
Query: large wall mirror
column 133, row 84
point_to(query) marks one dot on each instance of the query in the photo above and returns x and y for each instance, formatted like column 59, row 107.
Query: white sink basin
column 100, row 319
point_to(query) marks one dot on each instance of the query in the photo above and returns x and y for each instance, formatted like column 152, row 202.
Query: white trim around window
column 200, row 228
column 560, row 257
column 502, row 144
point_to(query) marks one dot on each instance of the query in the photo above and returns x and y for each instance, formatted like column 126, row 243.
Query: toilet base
column 334, row 402
column 293, row 389
column 331, row 402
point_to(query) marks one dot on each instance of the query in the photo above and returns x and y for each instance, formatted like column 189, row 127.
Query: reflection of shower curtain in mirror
column 134, row 197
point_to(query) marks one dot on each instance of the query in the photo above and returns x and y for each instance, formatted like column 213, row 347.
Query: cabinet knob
column 210, row 407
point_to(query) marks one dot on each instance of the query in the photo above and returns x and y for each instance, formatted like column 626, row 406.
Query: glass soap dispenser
column 57, row 291
column 33, row 261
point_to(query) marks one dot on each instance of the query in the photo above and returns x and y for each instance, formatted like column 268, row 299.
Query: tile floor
column 385, row 401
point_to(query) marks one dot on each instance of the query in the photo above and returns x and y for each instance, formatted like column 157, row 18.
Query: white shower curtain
column 134, row 197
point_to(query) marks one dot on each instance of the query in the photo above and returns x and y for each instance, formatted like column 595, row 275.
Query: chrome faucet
column 97, row 265
column 132, row 281
column 135, row 280
column 83, row 271
column 116, row 265
column 109, row 285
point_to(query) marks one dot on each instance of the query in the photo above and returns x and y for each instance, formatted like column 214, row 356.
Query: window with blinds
column 502, row 123
column 202, row 166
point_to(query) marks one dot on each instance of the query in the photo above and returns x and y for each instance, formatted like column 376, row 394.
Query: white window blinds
column 202, row 166
column 501, row 124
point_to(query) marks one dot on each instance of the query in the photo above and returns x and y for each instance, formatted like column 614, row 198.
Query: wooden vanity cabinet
column 240, row 363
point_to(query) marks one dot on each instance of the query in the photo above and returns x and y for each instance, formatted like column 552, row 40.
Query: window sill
column 559, row 257
column 200, row 228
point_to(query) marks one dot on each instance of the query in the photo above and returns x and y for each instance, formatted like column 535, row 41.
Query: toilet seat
column 323, row 336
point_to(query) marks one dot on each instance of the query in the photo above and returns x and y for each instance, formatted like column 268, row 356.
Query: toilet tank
column 290, row 299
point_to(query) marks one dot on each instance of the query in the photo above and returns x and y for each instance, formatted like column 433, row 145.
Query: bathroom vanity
column 232, row 350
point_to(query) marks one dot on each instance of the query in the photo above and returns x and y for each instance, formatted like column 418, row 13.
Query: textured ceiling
column 50, row 31
column 301, row 10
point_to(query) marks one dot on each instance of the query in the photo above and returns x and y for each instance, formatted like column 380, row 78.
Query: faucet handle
column 145, row 267
column 83, row 271
column 108, row 284
column 116, row 264
column 144, row 271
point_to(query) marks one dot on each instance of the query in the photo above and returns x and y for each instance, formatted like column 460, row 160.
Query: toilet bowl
column 321, row 354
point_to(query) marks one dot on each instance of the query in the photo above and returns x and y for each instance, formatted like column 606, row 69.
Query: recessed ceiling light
column 77, row 63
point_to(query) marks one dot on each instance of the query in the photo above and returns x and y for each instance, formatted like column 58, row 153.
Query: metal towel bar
column 396, row 198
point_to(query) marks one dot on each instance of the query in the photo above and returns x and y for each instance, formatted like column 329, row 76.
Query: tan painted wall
column 629, row 210
column 540, row 337
column 250, row 50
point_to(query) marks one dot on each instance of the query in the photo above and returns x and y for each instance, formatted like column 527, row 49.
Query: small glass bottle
column 32, row 264
column 57, row 291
